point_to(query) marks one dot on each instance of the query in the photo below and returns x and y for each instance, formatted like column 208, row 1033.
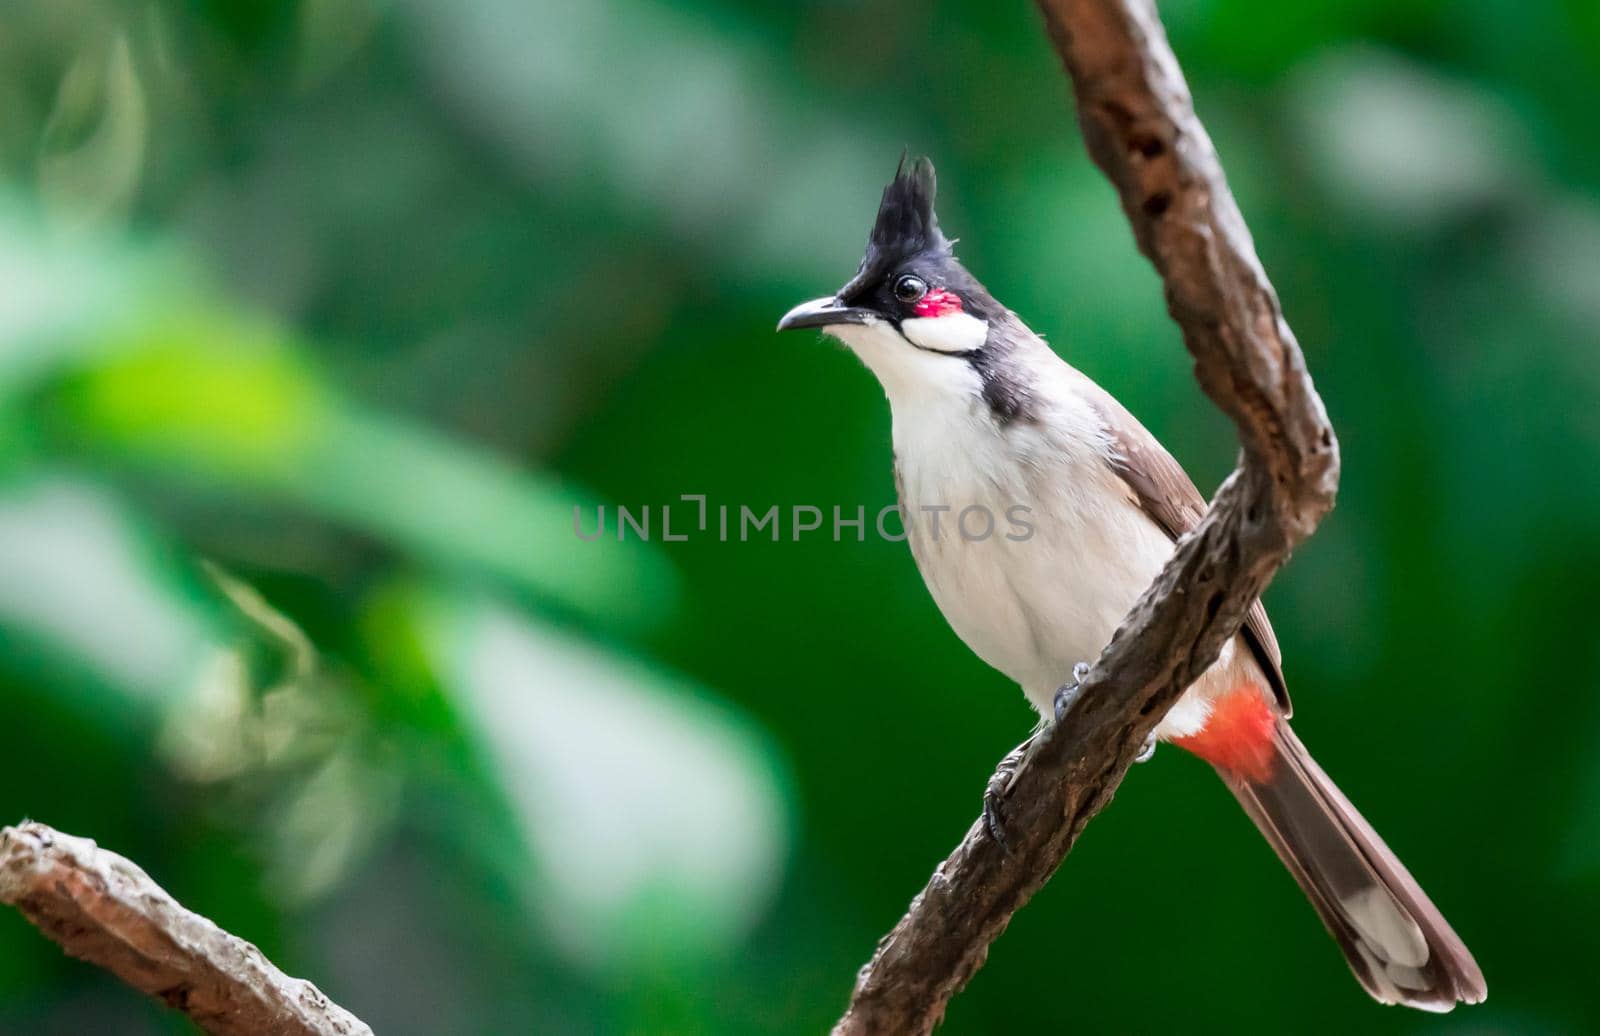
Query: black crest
column 906, row 224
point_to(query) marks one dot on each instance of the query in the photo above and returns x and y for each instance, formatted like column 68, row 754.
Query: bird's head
column 911, row 307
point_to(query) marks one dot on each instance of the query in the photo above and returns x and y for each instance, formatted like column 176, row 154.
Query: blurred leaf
column 228, row 401
column 66, row 294
column 1402, row 145
column 95, row 138
column 79, row 574
column 206, row 391
column 462, row 507
column 657, row 816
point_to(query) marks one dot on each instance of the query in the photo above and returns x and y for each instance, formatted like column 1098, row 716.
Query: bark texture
column 105, row 910
column 1138, row 120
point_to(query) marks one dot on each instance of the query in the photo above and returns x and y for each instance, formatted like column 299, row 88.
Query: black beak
column 823, row 313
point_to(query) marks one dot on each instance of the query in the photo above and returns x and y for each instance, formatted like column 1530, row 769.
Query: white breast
column 1034, row 605
column 1030, row 605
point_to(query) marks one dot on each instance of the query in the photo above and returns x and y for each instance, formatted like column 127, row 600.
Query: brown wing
column 1163, row 490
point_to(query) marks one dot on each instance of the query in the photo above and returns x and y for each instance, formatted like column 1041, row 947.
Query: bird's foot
column 994, row 800
column 1147, row 750
column 999, row 787
column 1067, row 694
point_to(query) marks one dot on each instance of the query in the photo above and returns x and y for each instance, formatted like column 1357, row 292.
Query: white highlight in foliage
column 656, row 815
column 76, row 573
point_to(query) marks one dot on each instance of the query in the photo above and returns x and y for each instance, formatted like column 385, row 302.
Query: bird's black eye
column 910, row 288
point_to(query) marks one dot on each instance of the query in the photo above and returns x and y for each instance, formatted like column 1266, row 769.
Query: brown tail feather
column 1399, row 946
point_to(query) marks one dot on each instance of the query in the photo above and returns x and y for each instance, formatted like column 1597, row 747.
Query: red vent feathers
column 1238, row 735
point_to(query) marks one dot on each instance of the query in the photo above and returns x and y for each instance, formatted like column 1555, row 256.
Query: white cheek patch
column 950, row 333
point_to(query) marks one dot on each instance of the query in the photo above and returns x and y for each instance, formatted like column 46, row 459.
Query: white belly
column 1033, row 604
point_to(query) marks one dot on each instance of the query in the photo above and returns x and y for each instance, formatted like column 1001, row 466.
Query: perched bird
column 987, row 419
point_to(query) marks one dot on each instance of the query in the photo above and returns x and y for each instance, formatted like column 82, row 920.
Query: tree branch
column 1138, row 121
column 105, row 910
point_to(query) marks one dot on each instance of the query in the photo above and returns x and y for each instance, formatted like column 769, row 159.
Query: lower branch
column 103, row 909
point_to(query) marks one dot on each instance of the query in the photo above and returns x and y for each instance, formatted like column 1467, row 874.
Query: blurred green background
column 318, row 318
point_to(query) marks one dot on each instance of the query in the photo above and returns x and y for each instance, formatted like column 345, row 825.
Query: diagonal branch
column 105, row 910
column 1138, row 121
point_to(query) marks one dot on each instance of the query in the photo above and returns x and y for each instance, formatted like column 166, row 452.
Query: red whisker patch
column 938, row 303
column 1237, row 736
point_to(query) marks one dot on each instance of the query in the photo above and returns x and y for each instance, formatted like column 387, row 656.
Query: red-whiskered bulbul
column 985, row 415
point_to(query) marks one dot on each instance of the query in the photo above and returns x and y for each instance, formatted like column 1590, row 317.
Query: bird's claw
column 994, row 821
column 1146, row 750
column 1067, row 694
column 999, row 787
